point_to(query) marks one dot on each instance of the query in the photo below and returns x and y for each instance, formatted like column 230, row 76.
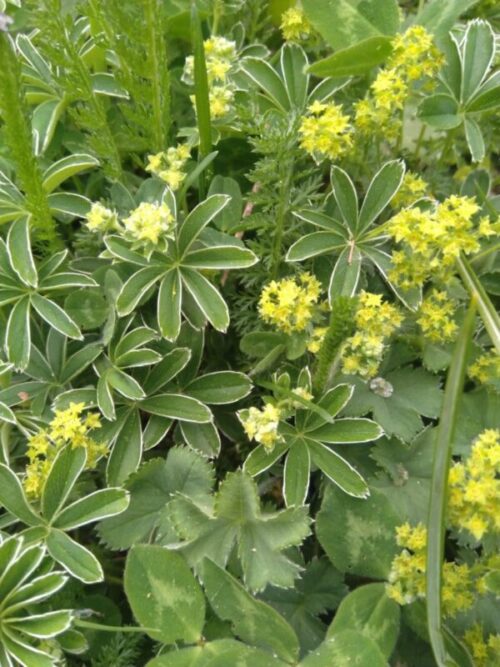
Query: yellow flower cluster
column 262, row 425
column 376, row 321
column 414, row 57
column 412, row 189
column 220, row 55
column 168, row 165
column 325, row 131
column 101, row 219
column 474, row 488
column 69, row 427
column 149, row 223
column 290, row 304
column 294, row 25
column 316, row 339
column 486, row 368
column 433, row 239
column 436, row 317
column 484, row 651
column 407, row 575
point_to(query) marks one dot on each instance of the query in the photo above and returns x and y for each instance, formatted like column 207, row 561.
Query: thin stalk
column 420, row 140
column 201, row 93
column 281, row 215
column 436, row 524
column 160, row 79
column 486, row 309
column 88, row 625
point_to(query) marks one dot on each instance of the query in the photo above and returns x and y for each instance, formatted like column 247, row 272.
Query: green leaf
column 163, row 594
column 332, row 402
column 77, row 560
column 69, row 204
column 177, row 406
column 94, row 507
column 440, row 111
column 219, row 388
column 203, row 438
column 218, row 653
column 44, row 122
column 381, row 190
column 18, row 334
column 343, row 23
column 347, row 648
column 436, row 526
column 151, row 489
column 261, row 537
column 42, row 626
column 261, row 459
column 79, row 361
column 345, row 196
column 19, row 250
column 207, row 298
column 27, row 655
column 358, row 535
column 293, row 65
column 265, row 77
column 345, row 275
column 312, row 245
column 198, row 219
column 88, row 308
column 55, row 316
column 439, row 17
column 12, row 497
column 344, row 431
column 6, row 414
column 61, row 479
column 65, row 168
column 487, row 97
column 171, row 365
column 475, row 140
column 125, row 384
column 136, row 287
column 127, row 450
column 253, row 621
column 105, row 398
column 368, row 610
column 296, row 474
column 338, row 470
column 220, row 257
column 413, row 392
column 355, row 60
column 169, row 305
column 478, row 50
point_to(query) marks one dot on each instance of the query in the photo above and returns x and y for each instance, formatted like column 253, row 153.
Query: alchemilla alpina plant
column 249, row 333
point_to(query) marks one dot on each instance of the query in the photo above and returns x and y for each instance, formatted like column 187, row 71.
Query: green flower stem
column 281, row 216
column 341, row 327
column 17, row 133
column 436, row 524
column 159, row 74
column 88, row 625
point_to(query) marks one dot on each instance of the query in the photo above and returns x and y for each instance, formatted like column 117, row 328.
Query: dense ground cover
column 249, row 371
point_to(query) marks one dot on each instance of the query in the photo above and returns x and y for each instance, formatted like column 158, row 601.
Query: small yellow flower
column 389, row 90
column 262, row 425
column 221, row 99
column 412, row 188
column 325, row 131
column 435, row 318
column 486, row 367
column 101, row 219
column 169, row 165
column 294, row 25
column 290, row 304
column 148, row 223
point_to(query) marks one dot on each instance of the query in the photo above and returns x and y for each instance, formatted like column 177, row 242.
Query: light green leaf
column 345, row 196
column 337, row 469
column 343, row 23
column 265, row 77
column 293, row 65
column 69, row 204
column 253, row 621
column 42, row 626
column 169, row 305
column 345, row 275
column 44, row 122
column 12, row 497
column 296, row 474
column 347, row 648
column 355, row 60
column 220, row 257
column 105, row 398
column 165, row 597
column 439, row 17
column 94, row 507
column 55, row 316
column 219, row 388
column 177, row 406
column 18, row 334
column 368, row 610
column 68, row 166
column 125, row 384
column 475, row 140
column 478, row 53
column 332, row 402
column 77, row 560
column 198, row 219
column 136, row 287
column 207, row 298
column 344, row 431
column 203, row 438
column 261, row 459
column 312, row 245
column 381, row 190
column 61, row 479
column 20, row 255
column 127, row 449
column 440, row 111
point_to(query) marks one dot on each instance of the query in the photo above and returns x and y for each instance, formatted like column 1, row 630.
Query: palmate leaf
column 237, row 520
column 220, row 653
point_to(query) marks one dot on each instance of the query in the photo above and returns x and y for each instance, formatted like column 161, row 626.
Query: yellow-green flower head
column 168, row 165
column 474, row 488
column 390, row 90
column 290, row 304
column 262, row 425
column 221, row 99
column 412, row 189
column 484, row 648
column 316, row 339
column 373, row 120
column 433, row 239
column 436, row 317
column 376, row 321
column 415, row 54
column 325, row 131
column 294, row 25
column 220, row 56
column 101, row 219
column 407, row 575
column 68, row 428
column 486, row 367
column 149, row 223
